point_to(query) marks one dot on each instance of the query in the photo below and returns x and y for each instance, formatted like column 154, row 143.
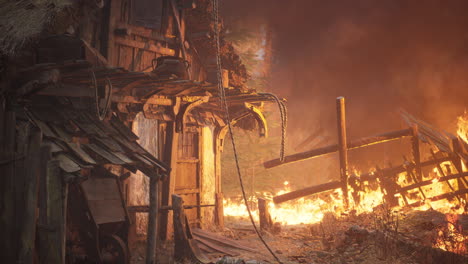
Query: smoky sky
column 381, row 55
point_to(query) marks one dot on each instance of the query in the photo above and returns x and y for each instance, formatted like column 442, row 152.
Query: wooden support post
column 8, row 225
column 219, row 217
column 30, row 194
column 168, row 186
column 152, row 221
column 42, row 225
column 264, row 214
column 343, row 148
column 56, row 199
column 416, row 152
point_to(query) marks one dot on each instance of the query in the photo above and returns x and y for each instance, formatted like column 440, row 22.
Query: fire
column 365, row 197
column 450, row 237
column 311, row 210
column 463, row 127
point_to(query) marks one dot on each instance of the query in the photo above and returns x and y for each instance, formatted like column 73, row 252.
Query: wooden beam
column 429, row 182
column 342, row 147
column 128, row 29
column 442, row 174
column 152, row 221
column 359, row 143
column 306, row 191
column 416, row 152
column 144, row 46
column 401, row 168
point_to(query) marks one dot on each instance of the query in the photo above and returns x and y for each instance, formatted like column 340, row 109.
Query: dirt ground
column 377, row 238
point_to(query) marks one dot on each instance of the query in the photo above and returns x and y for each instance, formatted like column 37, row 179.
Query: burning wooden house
column 113, row 118
column 99, row 102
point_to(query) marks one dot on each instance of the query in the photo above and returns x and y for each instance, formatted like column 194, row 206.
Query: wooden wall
column 134, row 47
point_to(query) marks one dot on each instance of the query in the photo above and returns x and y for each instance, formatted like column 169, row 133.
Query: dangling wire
column 222, row 95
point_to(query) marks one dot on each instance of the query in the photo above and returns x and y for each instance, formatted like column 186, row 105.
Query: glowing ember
column 450, row 237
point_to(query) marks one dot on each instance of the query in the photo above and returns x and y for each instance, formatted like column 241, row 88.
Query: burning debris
column 390, row 204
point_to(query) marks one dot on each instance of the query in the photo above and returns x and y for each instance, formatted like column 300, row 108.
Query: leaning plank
column 215, row 247
column 306, row 191
column 185, row 249
column 359, row 143
column 219, row 239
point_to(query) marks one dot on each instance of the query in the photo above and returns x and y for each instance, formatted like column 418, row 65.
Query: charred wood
column 185, row 249
column 362, row 142
column 306, row 191
column 265, row 218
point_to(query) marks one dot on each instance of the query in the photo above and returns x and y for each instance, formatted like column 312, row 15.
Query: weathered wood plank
column 42, row 227
column 306, row 191
column 144, row 46
column 359, row 143
column 56, row 213
column 30, row 192
column 8, row 243
column 184, row 249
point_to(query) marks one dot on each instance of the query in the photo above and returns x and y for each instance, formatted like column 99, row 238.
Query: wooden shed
column 97, row 135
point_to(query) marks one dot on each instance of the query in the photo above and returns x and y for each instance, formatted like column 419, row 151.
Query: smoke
column 380, row 55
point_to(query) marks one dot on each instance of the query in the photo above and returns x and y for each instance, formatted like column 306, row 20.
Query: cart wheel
column 113, row 250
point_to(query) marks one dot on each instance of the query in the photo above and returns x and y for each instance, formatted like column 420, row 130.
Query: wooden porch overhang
column 79, row 140
column 157, row 98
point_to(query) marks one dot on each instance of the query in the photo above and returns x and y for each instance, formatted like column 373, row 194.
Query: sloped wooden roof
column 79, row 139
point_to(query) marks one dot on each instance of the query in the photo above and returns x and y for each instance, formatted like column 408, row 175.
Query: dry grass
column 20, row 21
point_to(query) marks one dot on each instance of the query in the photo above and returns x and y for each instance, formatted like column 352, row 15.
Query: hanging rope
column 102, row 114
column 284, row 121
column 222, row 95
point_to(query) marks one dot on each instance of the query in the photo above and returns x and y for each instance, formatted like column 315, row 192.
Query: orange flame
column 463, row 127
column 311, row 210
